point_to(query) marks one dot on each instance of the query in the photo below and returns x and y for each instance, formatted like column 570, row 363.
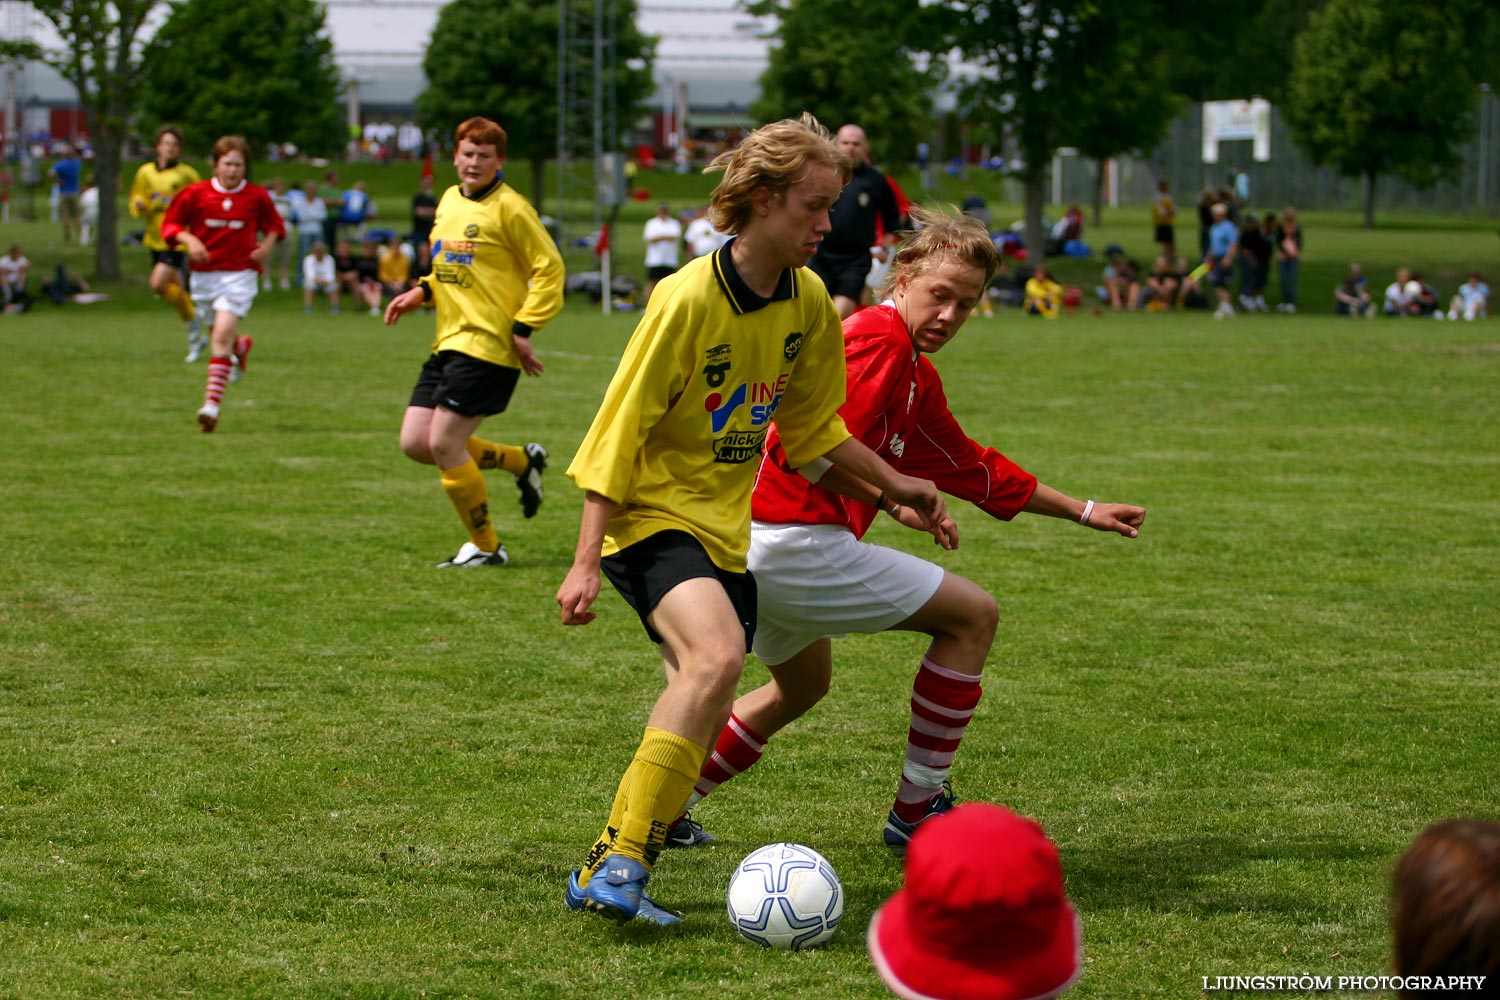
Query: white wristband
column 1088, row 509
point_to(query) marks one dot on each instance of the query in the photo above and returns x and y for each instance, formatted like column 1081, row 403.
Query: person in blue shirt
column 67, row 171
column 1223, row 245
column 354, row 209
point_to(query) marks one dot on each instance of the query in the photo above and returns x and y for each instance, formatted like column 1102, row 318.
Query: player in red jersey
column 227, row 226
column 817, row 579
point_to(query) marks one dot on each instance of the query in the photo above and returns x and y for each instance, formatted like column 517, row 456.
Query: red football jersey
column 896, row 406
column 229, row 223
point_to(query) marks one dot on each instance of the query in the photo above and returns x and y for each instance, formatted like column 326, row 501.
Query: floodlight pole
column 586, row 123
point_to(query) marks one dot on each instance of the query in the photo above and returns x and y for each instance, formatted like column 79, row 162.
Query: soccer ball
column 786, row 896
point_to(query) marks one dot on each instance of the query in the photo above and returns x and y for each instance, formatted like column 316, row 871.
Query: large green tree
column 1226, row 51
column 868, row 71
column 510, row 74
column 1387, row 86
column 98, row 57
column 1128, row 105
column 262, row 69
column 1044, row 69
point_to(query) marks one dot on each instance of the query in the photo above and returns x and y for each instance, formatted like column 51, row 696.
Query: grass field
column 253, row 745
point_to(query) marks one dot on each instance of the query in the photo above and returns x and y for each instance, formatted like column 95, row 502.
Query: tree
column 262, row 69
column 511, row 77
column 866, row 72
column 1130, row 105
column 1033, row 82
column 1386, row 86
column 1218, row 52
column 98, row 57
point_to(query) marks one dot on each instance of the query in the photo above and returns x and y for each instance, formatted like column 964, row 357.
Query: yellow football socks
column 465, row 488
column 650, row 799
column 489, row 455
column 179, row 300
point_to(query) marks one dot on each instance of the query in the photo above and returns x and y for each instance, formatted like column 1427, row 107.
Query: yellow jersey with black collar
column 152, row 191
column 493, row 265
column 677, row 441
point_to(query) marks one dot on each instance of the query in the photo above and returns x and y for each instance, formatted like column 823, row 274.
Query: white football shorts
column 817, row 580
column 230, row 291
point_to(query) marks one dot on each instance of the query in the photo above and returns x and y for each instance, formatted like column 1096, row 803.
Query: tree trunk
column 1036, row 235
column 1099, row 168
column 107, row 147
column 1370, row 199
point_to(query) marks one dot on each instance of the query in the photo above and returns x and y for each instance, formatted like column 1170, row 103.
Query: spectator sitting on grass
column 319, row 278
column 14, row 267
column 1472, row 300
column 395, row 267
column 1352, row 296
column 1422, row 298
column 1164, row 283
column 1122, row 279
column 1043, row 295
column 1397, row 298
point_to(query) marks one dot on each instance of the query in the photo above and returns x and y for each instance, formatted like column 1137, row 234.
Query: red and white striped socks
column 942, row 702
column 738, row 749
column 218, row 378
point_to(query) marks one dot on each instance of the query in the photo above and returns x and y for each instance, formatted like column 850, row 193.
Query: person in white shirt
column 1472, row 300
column 311, row 214
column 1397, row 302
column 701, row 236
column 663, row 235
column 318, row 277
column 88, row 212
column 14, row 267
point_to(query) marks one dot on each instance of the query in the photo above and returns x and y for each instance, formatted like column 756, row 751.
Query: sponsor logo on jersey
column 897, row 445
column 762, row 398
column 738, row 447
column 793, row 345
column 453, row 274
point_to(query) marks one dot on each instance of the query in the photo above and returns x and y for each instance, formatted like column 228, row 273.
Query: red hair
column 481, row 132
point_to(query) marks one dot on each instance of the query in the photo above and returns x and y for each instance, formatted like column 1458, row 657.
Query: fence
column 1289, row 178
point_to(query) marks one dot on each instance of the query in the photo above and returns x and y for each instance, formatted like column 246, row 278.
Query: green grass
column 253, row 745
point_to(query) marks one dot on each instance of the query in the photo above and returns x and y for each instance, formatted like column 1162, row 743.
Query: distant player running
column 156, row 184
column 496, row 277
column 817, row 579
column 227, row 226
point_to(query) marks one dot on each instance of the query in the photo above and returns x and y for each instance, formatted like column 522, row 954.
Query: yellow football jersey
column 151, row 193
column 678, row 438
column 493, row 264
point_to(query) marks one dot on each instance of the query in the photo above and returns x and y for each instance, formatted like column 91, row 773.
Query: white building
column 709, row 57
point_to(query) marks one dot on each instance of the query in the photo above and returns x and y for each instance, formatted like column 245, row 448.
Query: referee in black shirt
column 843, row 258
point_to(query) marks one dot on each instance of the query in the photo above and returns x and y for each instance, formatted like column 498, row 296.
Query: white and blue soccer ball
column 786, row 896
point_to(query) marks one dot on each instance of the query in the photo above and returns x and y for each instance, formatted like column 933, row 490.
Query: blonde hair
column 960, row 238
column 774, row 157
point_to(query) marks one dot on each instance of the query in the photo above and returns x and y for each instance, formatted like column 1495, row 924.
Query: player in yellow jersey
column 156, row 184
column 496, row 277
column 727, row 342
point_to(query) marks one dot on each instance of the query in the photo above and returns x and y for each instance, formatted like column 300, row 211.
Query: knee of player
column 416, row 450
column 807, row 692
column 716, row 672
column 981, row 616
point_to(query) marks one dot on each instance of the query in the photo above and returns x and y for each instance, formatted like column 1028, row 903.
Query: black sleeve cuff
column 426, row 291
column 519, row 329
